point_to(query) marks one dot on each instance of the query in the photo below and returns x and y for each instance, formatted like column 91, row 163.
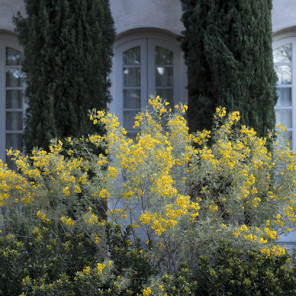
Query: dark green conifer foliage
column 228, row 53
column 67, row 59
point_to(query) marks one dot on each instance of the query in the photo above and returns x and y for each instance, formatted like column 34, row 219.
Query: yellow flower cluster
column 87, row 271
column 275, row 250
column 42, row 217
column 147, row 292
column 69, row 221
column 101, row 267
column 149, row 168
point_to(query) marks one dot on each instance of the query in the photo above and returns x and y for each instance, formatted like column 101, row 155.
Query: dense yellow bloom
column 42, row 217
column 66, row 191
column 86, row 270
column 70, row 222
column 146, row 292
column 100, row 267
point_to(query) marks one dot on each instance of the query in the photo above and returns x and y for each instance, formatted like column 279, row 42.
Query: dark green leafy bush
column 234, row 273
column 65, row 263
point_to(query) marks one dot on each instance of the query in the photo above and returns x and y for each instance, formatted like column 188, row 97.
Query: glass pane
column 283, row 54
column 131, row 77
column 10, row 164
column 129, row 119
column 284, row 74
column 166, row 94
column 132, row 56
column 14, row 99
column 284, row 117
column 14, row 77
column 131, row 98
column 13, row 57
column 14, row 141
column 285, row 96
column 164, row 76
column 163, row 56
column 132, row 135
column 14, row 121
column 286, row 136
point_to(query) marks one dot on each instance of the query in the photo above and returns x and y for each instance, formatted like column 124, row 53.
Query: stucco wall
column 161, row 14
column 8, row 9
column 283, row 15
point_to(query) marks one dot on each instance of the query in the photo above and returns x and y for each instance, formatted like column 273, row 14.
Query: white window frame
column 147, row 40
column 278, row 42
column 6, row 40
column 289, row 239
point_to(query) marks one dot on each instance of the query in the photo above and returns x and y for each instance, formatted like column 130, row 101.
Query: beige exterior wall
column 160, row 14
column 283, row 16
column 127, row 14
column 135, row 14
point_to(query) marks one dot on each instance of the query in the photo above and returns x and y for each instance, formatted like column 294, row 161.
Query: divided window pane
column 13, row 57
column 283, row 54
column 14, row 121
column 284, row 117
column 14, row 99
column 283, row 60
column 131, row 77
column 131, row 98
column 164, row 76
column 14, row 141
column 284, row 74
column 128, row 119
column 284, row 97
column 166, row 94
column 157, row 65
column 163, row 56
column 14, row 77
column 132, row 56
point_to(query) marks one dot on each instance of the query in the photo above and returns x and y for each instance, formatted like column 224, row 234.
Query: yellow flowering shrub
column 52, row 189
column 183, row 192
column 187, row 191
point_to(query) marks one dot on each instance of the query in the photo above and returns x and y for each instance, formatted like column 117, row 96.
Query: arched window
column 145, row 65
column 11, row 97
column 284, row 57
column 284, row 54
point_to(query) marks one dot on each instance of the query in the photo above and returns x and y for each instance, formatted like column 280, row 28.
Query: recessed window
column 144, row 67
column 284, row 64
column 11, row 99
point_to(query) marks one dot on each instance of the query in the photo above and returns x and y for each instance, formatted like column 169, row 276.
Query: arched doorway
column 145, row 64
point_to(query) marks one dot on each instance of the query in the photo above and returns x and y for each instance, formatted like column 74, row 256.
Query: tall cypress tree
column 228, row 53
column 67, row 59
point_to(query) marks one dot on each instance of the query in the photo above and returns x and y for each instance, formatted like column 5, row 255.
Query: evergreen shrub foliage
column 67, row 60
column 71, row 219
column 227, row 46
column 235, row 273
column 246, row 273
